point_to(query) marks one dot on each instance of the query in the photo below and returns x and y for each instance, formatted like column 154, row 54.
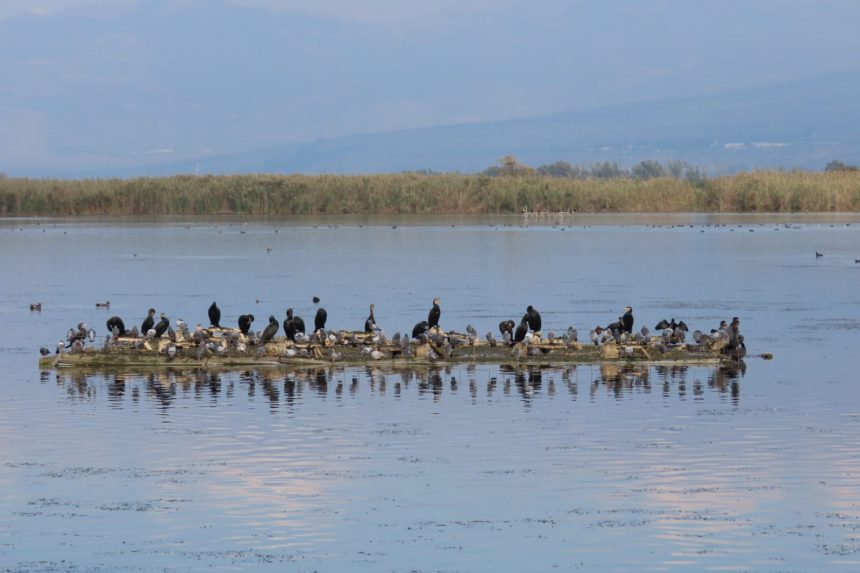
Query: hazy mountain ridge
column 801, row 124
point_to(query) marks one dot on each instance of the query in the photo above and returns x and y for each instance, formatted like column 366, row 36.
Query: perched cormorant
column 522, row 330
column 533, row 318
column 293, row 325
column 215, row 315
column 245, row 323
column 434, row 314
column 420, row 328
column 161, row 327
column 627, row 320
column 148, row 322
column 616, row 326
column 507, row 326
column 319, row 319
column 370, row 323
column 115, row 322
column 270, row 331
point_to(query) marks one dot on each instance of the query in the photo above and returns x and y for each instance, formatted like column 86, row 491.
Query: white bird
column 491, row 339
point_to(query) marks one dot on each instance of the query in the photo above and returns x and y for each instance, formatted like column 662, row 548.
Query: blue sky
column 104, row 83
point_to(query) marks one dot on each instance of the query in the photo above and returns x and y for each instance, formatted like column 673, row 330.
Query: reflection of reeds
column 764, row 191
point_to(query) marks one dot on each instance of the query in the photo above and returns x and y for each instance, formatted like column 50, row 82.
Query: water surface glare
column 463, row 468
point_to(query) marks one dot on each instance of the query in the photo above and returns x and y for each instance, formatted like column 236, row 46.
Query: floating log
column 230, row 348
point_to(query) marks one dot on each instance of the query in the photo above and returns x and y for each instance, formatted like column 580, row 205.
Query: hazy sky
column 114, row 82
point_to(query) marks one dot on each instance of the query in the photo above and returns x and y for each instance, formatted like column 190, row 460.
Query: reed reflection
column 288, row 388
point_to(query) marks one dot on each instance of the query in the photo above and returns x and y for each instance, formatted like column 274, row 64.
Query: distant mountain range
column 800, row 124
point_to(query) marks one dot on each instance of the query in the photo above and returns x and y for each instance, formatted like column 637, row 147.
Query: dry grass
column 764, row 191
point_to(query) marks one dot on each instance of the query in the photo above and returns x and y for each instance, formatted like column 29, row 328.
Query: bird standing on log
column 434, row 314
column 162, row 325
column 115, row 322
column 522, row 330
column 270, row 331
column 370, row 323
column 533, row 318
column 148, row 322
column 319, row 319
column 245, row 323
column 215, row 315
column 627, row 320
column 293, row 325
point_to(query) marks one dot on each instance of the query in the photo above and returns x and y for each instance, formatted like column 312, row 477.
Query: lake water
column 457, row 469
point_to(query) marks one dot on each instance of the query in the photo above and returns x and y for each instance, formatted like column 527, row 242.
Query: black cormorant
column 148, row 322
column 270, row 331
column 627, row 320
column 507, row 326
column 215, row 315
column 319, row 319
column 115, row 322
column 420, row 328
column 370, row 323
column 245, row 323
column 293, row 325
column 161, row 327
column 533, row 318
column 434, row 314
column 522, row 330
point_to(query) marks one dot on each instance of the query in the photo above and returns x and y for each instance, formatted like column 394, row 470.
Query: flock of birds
column 672, row 334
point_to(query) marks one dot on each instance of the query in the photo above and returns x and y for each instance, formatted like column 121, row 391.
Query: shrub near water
column 421, row 193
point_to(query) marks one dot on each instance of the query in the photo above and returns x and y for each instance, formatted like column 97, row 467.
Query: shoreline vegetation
column 505, row 191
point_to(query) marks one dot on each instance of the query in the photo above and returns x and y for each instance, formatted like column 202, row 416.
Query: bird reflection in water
column 287, row 388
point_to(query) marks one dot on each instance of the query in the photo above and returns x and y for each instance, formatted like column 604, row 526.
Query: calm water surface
column 456, row 469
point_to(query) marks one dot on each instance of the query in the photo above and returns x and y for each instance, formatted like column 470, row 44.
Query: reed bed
column 763, row 191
